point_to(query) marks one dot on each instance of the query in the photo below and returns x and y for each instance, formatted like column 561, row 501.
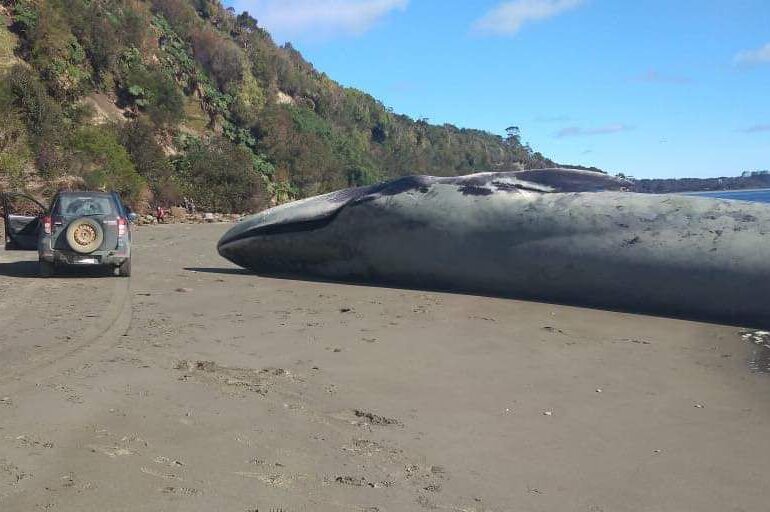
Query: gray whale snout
column 570, row 237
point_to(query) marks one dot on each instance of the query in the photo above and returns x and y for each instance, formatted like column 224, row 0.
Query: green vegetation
column 154, row 93
column 222, row 176
column 215, row 111
column 99, row 158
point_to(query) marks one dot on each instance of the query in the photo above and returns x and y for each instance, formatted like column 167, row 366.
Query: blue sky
column 658, row 88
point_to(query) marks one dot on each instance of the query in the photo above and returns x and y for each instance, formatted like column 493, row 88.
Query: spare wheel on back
column 85, row 235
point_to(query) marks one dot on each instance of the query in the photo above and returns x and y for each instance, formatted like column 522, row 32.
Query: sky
column 657, row 88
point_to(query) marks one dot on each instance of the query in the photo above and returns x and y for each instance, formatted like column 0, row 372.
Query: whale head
column 317, row 212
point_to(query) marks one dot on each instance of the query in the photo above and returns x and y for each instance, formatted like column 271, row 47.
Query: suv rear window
column 81, row 206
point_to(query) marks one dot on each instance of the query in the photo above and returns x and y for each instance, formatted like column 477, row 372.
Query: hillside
column 749, row 180
column 165, row 99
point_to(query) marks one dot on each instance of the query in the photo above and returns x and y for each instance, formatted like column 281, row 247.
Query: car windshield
column 79, row 206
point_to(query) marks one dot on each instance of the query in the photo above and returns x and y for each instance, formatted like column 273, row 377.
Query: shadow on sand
column 737, row 322
column 20, row 269
column 225, row 271
column 31, row 270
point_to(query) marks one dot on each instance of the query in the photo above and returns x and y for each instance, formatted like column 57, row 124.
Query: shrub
column 219, row 56
column 15, row 154
column 249, row 101
column 55, row 51
column 179, row 13
column 221, row 176
column 156, row 94
column 360, row 176
column 13, row 130
column 41, row 113
column 26, row 16
column 138, row 137
column 103, row 163
column 13, row 165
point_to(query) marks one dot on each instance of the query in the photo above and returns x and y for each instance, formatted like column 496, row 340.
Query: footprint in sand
column 181, row 491
column 158, row 474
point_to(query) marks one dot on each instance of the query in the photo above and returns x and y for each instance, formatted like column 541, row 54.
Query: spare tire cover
column 85, row 235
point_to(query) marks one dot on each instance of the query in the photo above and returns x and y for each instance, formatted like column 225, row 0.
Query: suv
column 80, row 228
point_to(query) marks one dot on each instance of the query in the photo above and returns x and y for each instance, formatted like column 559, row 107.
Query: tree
column 139, row 139
column 221, row 176
column 219, row 56
column 513, row 137
column 246, row 23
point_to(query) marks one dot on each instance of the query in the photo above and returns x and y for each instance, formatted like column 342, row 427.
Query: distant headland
column 748, row 180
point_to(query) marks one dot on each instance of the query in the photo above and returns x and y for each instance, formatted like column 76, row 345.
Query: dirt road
column 194, row 386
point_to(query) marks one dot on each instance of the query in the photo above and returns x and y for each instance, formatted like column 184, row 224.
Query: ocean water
column 756, row 195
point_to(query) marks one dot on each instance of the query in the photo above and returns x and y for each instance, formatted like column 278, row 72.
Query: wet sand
column 195, row 386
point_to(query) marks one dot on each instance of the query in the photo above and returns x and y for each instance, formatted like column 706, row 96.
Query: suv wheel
column 124, row 270
column 47, row 269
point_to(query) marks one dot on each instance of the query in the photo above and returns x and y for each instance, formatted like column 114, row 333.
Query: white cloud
column 576, row 131
column 508, row 17
column 322, row 18
column 751, row 57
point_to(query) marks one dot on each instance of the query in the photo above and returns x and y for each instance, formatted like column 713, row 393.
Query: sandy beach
column 196, row 386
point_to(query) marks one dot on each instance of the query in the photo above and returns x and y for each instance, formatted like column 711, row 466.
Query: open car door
column 22, row 216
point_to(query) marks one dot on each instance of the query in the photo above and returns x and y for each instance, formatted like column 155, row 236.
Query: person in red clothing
column 160, row 214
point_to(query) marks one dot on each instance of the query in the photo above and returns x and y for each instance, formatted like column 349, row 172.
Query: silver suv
column 79, row 229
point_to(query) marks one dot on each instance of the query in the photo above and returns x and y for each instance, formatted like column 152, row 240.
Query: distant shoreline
column 703, row 185
column 723, row 191
column 753, row 195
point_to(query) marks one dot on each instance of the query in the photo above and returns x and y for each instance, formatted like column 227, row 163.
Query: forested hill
column 162, row 99
column 749, row 180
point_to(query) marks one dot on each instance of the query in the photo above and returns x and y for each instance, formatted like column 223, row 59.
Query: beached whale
column 562, row 236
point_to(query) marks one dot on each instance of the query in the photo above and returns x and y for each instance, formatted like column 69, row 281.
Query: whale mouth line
column 282, row 229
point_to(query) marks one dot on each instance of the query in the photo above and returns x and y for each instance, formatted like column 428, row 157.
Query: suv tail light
column 122, row 227
column 47, row 225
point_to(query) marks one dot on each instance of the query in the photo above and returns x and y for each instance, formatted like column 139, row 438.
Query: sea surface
column 755, row 195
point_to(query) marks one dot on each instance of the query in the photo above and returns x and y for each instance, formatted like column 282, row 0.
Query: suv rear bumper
column 109, row 258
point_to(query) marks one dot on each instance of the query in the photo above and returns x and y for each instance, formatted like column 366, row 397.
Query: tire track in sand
column 99, row 336
column 13, row 292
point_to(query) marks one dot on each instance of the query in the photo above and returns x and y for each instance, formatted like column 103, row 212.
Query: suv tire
column 124, row 270
column 46, row 269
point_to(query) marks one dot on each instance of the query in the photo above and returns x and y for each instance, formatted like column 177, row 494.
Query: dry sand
column 194, row 386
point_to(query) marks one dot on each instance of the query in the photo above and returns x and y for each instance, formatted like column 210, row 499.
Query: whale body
column 564, row 236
